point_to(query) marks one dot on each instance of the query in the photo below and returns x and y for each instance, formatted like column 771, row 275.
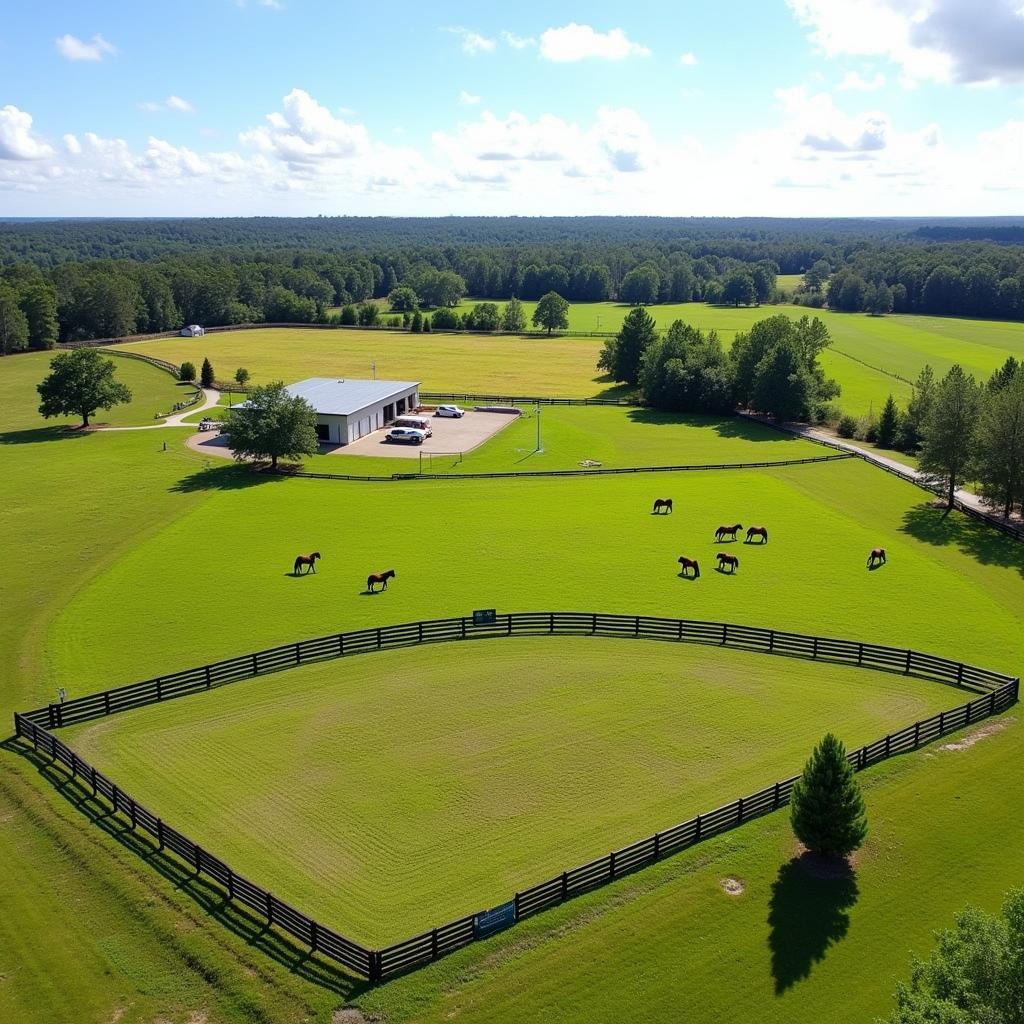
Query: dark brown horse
column 877, row 557
column 727, row 560
column 305, row 560
column 757, row 531
column 689, row 563
column 379, row 577
column 728, row 531
column 661, row 504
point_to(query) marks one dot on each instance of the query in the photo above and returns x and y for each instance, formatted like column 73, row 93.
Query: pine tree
column 827, row 809
column 206, row 377
column 999, row 452
column 888, row 424
column 622, row 354
column 947, row 433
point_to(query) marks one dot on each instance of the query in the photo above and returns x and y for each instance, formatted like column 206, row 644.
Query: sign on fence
column 485, row 617
column 487, row 922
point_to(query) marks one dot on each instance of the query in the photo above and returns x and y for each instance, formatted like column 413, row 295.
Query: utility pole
column 374, row 365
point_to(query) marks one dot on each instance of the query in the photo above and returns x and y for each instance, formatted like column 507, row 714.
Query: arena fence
column 995, row 692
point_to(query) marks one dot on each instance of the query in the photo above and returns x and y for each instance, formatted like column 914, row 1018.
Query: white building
column 192, row 331
column 349, row 409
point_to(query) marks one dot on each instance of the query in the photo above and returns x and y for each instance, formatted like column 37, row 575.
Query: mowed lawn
column 389, row 793
column 899, row 345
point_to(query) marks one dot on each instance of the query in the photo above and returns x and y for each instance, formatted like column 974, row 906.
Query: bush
column 846, row 427
column 187, row 372
column 426, row 325
column 445, row 319
column 867, row 429
column 349, row 317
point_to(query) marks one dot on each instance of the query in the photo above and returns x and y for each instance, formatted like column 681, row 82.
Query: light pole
column 537, row 415
column 374, row 365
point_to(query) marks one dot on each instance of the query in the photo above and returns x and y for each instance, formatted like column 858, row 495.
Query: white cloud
column 306, row 132
column 175, row 103
column 472, row 42
column 819, row 125
column 937, row 40
column 854, row 81
column 688, row 60
column 73, row 48
column 468, row 99
column 518, row 42
column 17, row 140
column 72, row 145
column 575, row 42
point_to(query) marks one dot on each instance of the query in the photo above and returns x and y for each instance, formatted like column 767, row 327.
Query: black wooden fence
column 996, row 693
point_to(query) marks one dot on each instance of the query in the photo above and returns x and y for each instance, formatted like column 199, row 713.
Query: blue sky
column 786, row 107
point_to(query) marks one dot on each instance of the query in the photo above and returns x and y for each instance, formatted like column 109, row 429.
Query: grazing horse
column 877, row 557
column 379, row 577
column 660, row 504
column 305, row 560
column 728, row 531
column 689, row 563
column 757, row 531
column 727, row 560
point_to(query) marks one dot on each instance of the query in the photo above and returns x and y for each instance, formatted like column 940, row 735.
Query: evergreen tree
column 513, row 317
column 39, row 304
column 426, row 325
column 888, row 424
column 827, row 809
column 417, row 322
column 622, row 355
column 79, row 383
column 206, row 376
column 552, row 313
column 917, row 409
column 1004, row 375
column 947, row 433
column 273, row 425
column 999, row 438
column 13, row 322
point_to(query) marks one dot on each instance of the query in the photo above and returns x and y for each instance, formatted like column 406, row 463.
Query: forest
column 63, row 280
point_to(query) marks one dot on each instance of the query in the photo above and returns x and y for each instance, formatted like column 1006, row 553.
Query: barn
column 192, row 331
column 349, row 409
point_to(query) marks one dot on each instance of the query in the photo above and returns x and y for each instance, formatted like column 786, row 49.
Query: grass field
column 124, row 560
column 900, row 345
column 493, row 765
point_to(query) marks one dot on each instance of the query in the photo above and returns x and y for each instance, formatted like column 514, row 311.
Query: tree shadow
column 971, row 536
column 808, row 913
column 36, row 435
column 225, row 477
column 725, row 424
column 201, row 890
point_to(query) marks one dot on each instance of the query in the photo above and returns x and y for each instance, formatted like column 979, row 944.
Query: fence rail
column 997, row 692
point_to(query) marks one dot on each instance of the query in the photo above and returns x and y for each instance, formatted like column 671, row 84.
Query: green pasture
column 124, row 560
column 612, row 436
column 153, row 391
column 891, row 345
column 493, row 765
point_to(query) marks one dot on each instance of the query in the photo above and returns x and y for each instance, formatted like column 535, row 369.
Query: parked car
column 405, row 435
column 416, row 423
column 449, row 410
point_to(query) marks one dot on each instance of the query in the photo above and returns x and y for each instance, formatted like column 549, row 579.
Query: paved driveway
column 450, row 435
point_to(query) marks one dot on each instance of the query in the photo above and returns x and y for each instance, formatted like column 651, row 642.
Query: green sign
column 485, row 617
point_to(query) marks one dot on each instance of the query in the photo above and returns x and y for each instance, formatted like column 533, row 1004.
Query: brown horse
column 877, row 557
column 728, row 531
column 757, row 531
column 689, row 563
column 379, row 577
column 727, row 560
column 305, row 560
column 661, row 504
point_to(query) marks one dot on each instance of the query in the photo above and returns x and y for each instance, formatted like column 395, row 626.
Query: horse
column 307, row 560
column 727, row 560
column 689, row 563
column 876, row 557
column 757, row 531
column 661, row 503
column 379, row 577
column 728, row 531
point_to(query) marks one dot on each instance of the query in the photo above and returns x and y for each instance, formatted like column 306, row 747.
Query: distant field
column 389, row 793
column 900, row 345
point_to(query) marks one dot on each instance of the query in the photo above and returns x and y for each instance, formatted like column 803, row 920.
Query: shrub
column 187, row 372
column 847, row 426
column 349, row 317
column 867, row 429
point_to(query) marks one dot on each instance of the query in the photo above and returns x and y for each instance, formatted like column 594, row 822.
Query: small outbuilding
column 192, row 331
column 347, row 410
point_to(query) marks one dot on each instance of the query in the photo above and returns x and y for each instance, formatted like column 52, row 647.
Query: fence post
column 906, row 671
column 917, row 733
column 942, row 722
column 725, row 632
column 960, row 674
column 860, row 654
column 611, row 864
column 270, row 908
column 52, row 717
column 771, row 640
column 433, row 944
column 696, row 834
column 106, row 702
column 207, row 676
column 739, row 810
column 160, row 833
column 551, row 622
column 231, row 889
column 515, row 906
column 375, row 967
column 888, row 744
column 814, row 648
column 657, row 844
column 775, row 798
column 298, row 653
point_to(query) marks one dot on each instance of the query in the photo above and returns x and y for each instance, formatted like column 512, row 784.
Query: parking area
column 449, row 436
